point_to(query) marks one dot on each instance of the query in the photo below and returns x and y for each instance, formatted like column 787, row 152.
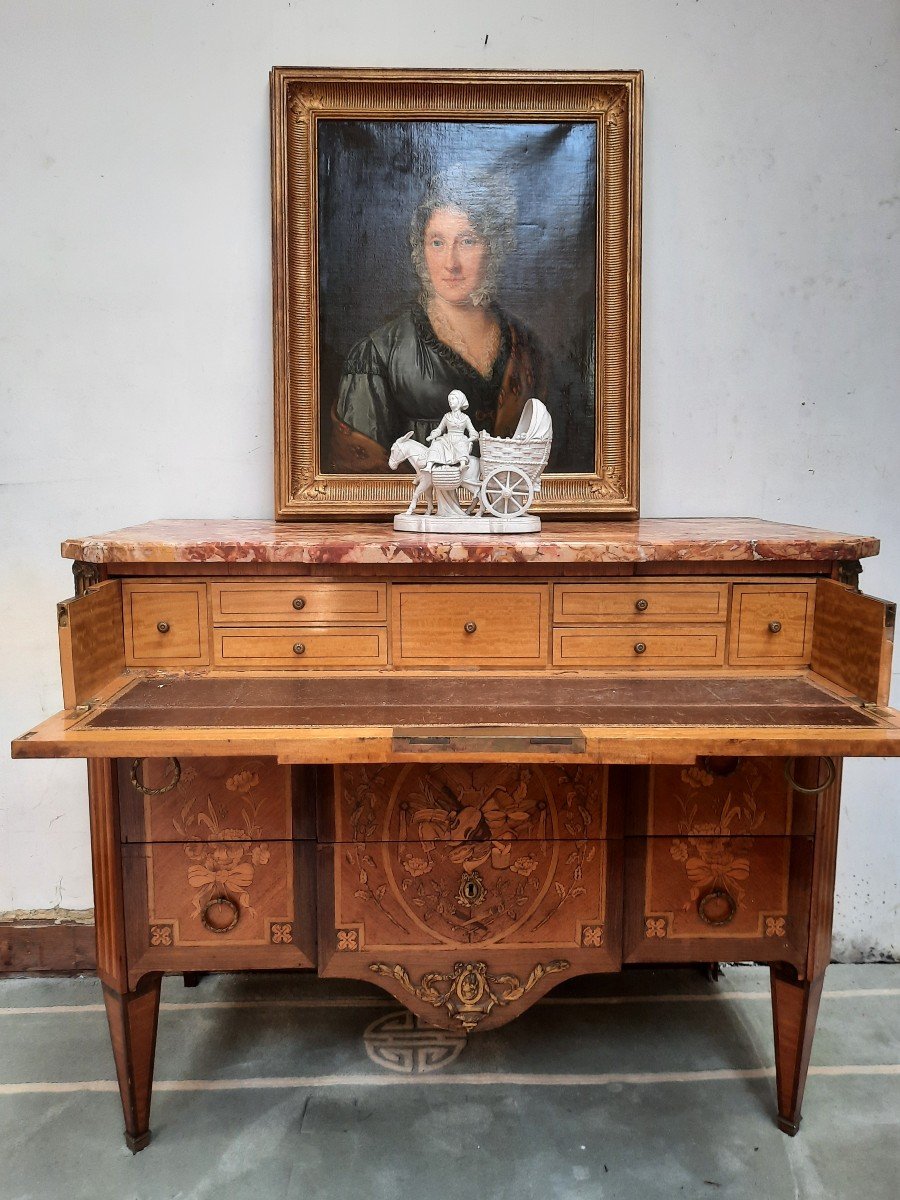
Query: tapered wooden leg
column 132, row 1020
column 794, row 1010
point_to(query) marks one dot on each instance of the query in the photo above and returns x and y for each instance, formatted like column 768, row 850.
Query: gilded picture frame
column 351, row 150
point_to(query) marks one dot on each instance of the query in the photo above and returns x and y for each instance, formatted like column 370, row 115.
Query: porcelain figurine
column 501, row 482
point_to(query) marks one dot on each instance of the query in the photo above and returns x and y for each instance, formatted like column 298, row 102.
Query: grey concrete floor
column 656, row 1085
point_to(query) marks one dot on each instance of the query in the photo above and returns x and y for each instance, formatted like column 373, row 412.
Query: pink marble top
column 648, row 539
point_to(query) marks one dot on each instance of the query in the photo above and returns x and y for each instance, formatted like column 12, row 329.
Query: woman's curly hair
column 488, row 200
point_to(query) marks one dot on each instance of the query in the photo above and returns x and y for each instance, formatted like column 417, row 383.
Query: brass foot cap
column 791, row 1128
column 137, row 1143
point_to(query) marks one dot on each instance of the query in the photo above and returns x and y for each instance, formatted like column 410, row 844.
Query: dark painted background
column 371, row 176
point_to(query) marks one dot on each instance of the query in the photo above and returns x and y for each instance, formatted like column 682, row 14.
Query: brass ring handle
column 138, row 784
column 642, row 605
column 640, row 647
column 163, row 626
column 299, row 603
column 774, row 627
column 719, row 765
column 717, row 907
column 811, row 791
column 470, row 626
column 299, row 648
column 224, row 902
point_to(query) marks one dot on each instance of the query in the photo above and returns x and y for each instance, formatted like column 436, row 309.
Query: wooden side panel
column 106, row 855
column 853, row 640
column 91, row 641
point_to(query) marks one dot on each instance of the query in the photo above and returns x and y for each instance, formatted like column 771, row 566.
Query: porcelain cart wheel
column 507, row 492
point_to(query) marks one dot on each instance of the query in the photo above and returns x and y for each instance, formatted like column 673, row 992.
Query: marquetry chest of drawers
column 465, row 771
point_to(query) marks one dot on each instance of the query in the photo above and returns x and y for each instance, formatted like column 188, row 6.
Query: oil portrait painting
column 455, row 255
column 479, row 244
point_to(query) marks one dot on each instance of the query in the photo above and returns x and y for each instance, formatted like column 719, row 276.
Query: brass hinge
column 492, row 738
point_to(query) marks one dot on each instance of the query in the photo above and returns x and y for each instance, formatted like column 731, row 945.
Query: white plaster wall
column 135, row 361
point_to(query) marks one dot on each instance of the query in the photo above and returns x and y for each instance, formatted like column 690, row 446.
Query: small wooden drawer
column 301, row 649
column 640, row 646
column 723, row 796
column 470, row 625
column 301, row 602
column 699, row 898
column 213, row 799
column 219, row 905
column 462, row 802
column 771, row 624
column 585, row 604
column 165, row 624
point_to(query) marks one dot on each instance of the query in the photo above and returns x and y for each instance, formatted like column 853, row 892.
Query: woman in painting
column 397, row 379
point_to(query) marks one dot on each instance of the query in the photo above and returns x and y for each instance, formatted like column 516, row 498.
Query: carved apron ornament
column 471, row 993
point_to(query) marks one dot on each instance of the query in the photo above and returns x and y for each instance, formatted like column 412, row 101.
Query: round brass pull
column 163, row 626
column 299, row 603
column 716, row 907
column 138, row 784
column 774, row 627
column 299, row 648
column 470, row 626
column 642, row 605
column 719, row 765
column 220, row 915
column 830, row 773
column 640, row 647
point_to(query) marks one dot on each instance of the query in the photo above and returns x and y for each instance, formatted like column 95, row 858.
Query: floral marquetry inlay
column 162, row 935
column 457, row 854
column 656, row 927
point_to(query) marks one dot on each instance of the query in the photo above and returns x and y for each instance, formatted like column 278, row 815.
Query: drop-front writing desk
column 465, row 770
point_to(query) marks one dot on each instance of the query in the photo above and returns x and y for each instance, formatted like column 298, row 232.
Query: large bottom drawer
column 219, row 906
column 506, row 920
column 703, row 898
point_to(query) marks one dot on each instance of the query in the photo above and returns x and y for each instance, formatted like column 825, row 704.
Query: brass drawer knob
column 470, row 626
column 299, row 603
column 642, row 605
column 774, row 627
column 640, row 647
column 220, row 915
column 299, row 648
column 163, row 626
column 717, row 907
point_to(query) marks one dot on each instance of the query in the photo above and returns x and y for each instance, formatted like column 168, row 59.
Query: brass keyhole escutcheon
column 299, row 648
column 299, row 603
column 163, row 626
column 471, row 889
column 774, row 627
column 642, row 605
column 640, row 647
column 470, row 626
